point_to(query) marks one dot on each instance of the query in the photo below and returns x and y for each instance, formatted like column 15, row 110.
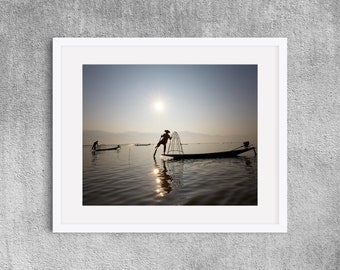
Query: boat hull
column 106, row 149
column 226, row 154
column 142, row 144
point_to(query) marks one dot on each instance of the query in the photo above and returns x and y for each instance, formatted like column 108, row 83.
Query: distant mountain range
column 89, row 136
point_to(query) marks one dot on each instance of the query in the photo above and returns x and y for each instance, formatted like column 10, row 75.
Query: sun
column 159, row 106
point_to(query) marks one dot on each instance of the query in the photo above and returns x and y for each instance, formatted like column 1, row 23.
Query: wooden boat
column 232, row 153
column 142, row 144
column 106, row 149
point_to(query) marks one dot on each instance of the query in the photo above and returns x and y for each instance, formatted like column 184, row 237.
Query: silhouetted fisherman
column 95, row 145
column 163, row 140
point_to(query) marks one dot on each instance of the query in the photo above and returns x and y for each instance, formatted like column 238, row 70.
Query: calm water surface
column 131, row 176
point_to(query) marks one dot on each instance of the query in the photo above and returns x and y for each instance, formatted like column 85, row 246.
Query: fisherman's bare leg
column 156, row 148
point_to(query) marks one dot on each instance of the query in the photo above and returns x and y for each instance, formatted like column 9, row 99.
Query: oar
column 245, row 144
column 237, row 148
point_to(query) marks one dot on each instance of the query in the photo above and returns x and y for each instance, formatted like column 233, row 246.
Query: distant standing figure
column 163, row 140
column 95, row 145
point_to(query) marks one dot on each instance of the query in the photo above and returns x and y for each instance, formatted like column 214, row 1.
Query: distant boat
column 106, row 149
column 142, row 144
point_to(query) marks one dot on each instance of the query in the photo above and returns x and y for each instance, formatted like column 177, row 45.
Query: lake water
column 131, row 176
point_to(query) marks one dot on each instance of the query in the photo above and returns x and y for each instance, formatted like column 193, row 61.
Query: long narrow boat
column 232, row 153
column 142, row 144
column 106, row 149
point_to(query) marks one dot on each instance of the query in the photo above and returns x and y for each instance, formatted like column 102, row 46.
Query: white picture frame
column 270, row 215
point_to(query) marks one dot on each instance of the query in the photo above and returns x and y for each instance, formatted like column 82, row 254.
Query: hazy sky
column 209, row 99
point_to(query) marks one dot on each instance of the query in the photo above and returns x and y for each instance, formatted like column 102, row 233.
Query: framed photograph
column 169, row 135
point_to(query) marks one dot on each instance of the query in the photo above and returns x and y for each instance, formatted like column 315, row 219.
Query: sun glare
column 158, row 106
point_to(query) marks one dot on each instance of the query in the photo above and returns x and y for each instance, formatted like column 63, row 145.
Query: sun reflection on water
column 163, row 180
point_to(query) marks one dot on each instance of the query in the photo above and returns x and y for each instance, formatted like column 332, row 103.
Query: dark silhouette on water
column 163, row 179
column 225, row 154
column 106, row 149
column 163, row 140
column 142, row 144
column 95, row 146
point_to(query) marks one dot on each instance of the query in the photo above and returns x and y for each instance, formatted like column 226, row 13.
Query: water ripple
column 132, row 177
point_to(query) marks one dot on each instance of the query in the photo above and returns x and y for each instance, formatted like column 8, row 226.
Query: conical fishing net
column 175, row 146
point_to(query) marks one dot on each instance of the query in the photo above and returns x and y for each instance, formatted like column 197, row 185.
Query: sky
column 204, row 99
